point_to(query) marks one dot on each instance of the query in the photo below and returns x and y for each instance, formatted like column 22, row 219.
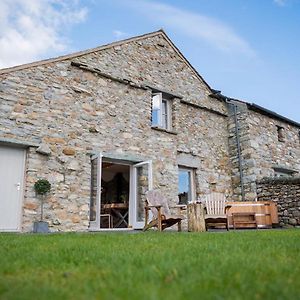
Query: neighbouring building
column 107, row 124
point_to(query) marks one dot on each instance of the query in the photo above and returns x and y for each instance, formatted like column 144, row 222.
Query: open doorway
column 118, row 190
column 114, row 210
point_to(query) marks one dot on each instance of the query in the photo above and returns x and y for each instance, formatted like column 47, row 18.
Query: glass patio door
column 95, row 201
column 141, row 183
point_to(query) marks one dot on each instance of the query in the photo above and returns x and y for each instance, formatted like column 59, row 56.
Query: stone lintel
column 188, row 160
column 127, row 158
column 17, row 143
column 156, row 89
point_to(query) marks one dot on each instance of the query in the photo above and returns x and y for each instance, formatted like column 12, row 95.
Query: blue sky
column 247, row 49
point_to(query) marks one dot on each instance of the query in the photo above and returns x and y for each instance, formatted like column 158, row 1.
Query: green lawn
column 151, row 265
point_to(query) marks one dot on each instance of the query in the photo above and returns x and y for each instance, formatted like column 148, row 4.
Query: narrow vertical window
column 164, row 114
column 280, row 133
column 161, row 111
column 186, row 185
column 156, row 109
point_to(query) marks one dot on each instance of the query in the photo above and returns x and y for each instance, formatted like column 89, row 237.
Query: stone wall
column 261, row 151
column 72, row 113
column 267, row 150
column 286, row 193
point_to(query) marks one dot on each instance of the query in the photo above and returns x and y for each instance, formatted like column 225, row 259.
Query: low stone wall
column 286, row 193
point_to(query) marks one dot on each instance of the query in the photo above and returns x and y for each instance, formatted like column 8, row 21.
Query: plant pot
column 40, row 227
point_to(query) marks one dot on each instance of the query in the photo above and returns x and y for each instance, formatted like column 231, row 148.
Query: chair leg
column 179, row 226
column 112, row 221
column 159, row 225
column 151, row 224
column 159, row 219
column 109, row 221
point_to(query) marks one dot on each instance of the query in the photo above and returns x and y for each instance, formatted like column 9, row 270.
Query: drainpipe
column 238, row 144
column 218, row 95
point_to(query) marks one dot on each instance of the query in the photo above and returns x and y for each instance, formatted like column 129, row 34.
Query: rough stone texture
column 286, row 193
column 69, row 151
column 44, row 149
column 68, row 108
column 260, row 148
column 153, row 61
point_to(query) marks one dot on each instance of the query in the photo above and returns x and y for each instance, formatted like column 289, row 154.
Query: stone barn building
column 107, row 124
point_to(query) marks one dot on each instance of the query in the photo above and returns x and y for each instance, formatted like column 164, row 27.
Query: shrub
column 42, row 186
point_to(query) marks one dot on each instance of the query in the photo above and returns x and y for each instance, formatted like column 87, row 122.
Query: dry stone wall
column 286, row 193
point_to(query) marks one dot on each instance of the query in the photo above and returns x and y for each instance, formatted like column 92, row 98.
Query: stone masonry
column 261, row 151
column 286, row 193
column 70, row 113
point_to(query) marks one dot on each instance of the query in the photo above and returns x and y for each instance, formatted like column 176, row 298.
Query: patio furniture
column 110, row 219
column 244, row 220
column 216, row 210
column 195, row 216
column 266, row 213
column 120, row 211
column 161, row 215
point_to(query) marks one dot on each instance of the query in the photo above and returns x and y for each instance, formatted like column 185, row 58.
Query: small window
column 161, row 111
column 280, row 133
column 284, row 172
column 186, row 185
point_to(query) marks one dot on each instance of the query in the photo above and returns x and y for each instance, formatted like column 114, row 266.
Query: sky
column 248, row 49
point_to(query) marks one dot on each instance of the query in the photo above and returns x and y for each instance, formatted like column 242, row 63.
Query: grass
column 152, row 265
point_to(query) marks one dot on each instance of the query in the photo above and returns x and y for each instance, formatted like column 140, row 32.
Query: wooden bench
column 244, row 220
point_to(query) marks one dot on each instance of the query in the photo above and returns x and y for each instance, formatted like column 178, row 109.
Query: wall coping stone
column 280, row 180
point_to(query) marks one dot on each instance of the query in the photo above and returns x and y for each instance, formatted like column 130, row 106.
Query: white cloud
column 198, row 26
column 119, row 34
column 30, row 29
column 280, row 2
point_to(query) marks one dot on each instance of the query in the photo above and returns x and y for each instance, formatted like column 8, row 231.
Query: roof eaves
column 217, row 94
column 271, row 113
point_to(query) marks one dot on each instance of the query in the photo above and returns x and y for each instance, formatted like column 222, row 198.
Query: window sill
column 163, row 130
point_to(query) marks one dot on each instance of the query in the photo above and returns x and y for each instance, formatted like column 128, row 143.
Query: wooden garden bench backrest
column 155, row 198
column 215, row 203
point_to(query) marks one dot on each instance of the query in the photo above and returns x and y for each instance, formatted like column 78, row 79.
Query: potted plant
column 41, row 187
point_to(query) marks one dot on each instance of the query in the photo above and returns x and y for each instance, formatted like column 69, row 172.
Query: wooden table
column 120, row 210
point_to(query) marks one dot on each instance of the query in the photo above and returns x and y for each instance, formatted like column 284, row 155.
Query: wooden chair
column 216, row 210
column 162, row 218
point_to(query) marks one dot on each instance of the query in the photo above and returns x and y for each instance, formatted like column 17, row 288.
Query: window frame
column 164, row 117
column 283, row 172
column 280, row 133
column 192, row 182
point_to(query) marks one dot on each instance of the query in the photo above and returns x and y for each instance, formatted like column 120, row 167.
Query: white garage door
column 11, row 187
